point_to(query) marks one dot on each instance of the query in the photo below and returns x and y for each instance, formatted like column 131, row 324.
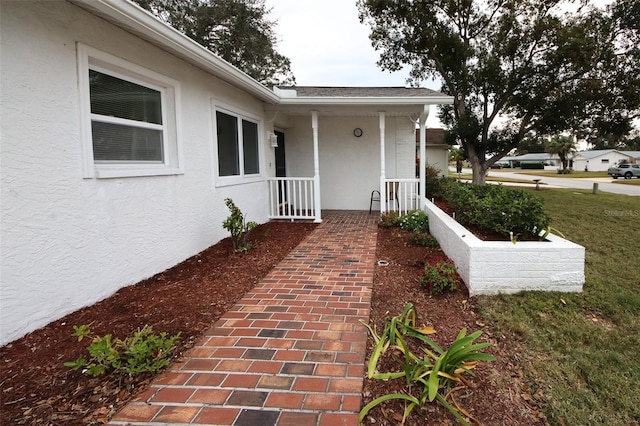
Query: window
column 605, row 160
column 130, row 118
column 238, row 146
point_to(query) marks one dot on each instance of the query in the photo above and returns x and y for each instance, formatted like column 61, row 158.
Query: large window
column 126, row 120
column 132, row 127
column 238, row 146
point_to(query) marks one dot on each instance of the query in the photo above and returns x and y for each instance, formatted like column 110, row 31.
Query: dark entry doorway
column 281, row 164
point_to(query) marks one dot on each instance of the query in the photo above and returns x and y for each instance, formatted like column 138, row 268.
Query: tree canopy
column 515, row 67
column 239, row 31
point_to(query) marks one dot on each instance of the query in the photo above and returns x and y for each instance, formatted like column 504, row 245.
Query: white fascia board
column 323, row 100
column 142, row 23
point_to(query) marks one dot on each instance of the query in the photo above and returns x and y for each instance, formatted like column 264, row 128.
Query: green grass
column 627, row 181
column 582, row 351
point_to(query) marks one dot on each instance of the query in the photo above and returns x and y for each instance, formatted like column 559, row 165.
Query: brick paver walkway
column 291, row 352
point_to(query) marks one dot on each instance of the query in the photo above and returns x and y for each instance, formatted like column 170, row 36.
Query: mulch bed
column 37, row 389
column 498, row 396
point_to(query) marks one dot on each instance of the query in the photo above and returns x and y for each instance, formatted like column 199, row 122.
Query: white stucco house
column 599, row 160
column 121, row 138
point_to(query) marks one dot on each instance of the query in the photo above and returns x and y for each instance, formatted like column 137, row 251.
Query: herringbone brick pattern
column 291, row 352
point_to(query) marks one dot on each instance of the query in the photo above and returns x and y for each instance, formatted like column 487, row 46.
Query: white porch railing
column 292, row 198
column 401, row 195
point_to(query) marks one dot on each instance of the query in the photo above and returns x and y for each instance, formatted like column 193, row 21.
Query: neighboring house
column 599, row 160
column 550, row 160
column 437, row 150
column 121, row 138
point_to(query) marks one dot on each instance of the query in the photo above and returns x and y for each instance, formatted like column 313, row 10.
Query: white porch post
column 383, row 192
column 316, row 167
column 423, row 156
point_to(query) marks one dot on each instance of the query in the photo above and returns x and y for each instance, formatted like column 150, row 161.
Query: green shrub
column 437, row 187
column 424, row 239
column 143, row 352
column 415, row 221
column 390, row 219
column 510, row 212
column 238, row 227
column 439, row 275
column 565, row 171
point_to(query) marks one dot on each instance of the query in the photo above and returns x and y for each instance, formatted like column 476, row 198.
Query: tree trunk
column 477, row 166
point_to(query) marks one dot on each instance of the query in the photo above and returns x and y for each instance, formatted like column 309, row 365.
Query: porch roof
column 328, row 100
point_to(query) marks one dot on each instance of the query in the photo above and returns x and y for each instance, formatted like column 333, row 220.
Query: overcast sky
column 327, row 44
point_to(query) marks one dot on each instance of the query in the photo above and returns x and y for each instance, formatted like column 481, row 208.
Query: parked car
column 625, row 170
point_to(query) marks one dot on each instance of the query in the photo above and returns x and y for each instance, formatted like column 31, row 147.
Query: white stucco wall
column 494, row 267
column 596, row 164
column 349, row 166
column 67, row 241
column 438, row 157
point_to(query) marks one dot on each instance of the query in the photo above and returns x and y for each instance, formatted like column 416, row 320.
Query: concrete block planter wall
column 493, row 267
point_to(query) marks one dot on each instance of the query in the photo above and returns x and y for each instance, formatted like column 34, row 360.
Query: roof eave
column 324, row 100
column 141, row 23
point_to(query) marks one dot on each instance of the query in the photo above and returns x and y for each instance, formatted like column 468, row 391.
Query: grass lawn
column 582, row 351
column 627, row 181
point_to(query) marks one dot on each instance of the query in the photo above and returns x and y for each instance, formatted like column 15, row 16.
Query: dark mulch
column 37, row 389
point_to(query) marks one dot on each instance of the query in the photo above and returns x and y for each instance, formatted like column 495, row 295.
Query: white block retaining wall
column 493, row 267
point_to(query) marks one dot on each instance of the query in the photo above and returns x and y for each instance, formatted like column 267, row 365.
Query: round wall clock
column 357, row 132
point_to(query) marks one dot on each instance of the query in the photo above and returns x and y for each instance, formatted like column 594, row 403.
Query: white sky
column 327, row 44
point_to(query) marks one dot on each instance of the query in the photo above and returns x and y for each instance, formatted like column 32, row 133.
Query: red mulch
column 37, row 389
column 498, row 395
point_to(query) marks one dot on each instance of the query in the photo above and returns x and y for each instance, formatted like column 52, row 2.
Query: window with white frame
column 238, row 145
column 131, row 121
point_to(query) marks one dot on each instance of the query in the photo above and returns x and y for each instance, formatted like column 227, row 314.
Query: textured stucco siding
column 67, row 241
column 493, row 267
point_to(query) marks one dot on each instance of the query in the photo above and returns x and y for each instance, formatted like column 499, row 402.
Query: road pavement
column 604, row 184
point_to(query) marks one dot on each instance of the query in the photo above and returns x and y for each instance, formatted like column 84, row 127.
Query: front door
column 281, row 168
column 281, row 165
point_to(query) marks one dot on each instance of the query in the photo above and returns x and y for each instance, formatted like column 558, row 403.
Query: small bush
column 390, row 220
column 238, row 227
column 415, row 221
column 439, row 276
column 143, row 352
column 424, row 239
column 565, row 171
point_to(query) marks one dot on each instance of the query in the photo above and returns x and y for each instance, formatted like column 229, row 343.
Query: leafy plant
column 390, row 219
column 142, row 352
column 238, row 227
column 415, row 220
column 424, row 239
column 509, row 212
column 437, row 373
column 439, row 275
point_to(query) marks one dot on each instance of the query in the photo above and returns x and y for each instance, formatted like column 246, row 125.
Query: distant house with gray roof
column 600, row 160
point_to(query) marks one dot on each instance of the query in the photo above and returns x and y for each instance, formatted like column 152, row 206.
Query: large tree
column 513, row 67
column 239, row 31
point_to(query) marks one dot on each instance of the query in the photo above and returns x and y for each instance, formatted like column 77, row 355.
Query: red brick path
column 291, row 352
